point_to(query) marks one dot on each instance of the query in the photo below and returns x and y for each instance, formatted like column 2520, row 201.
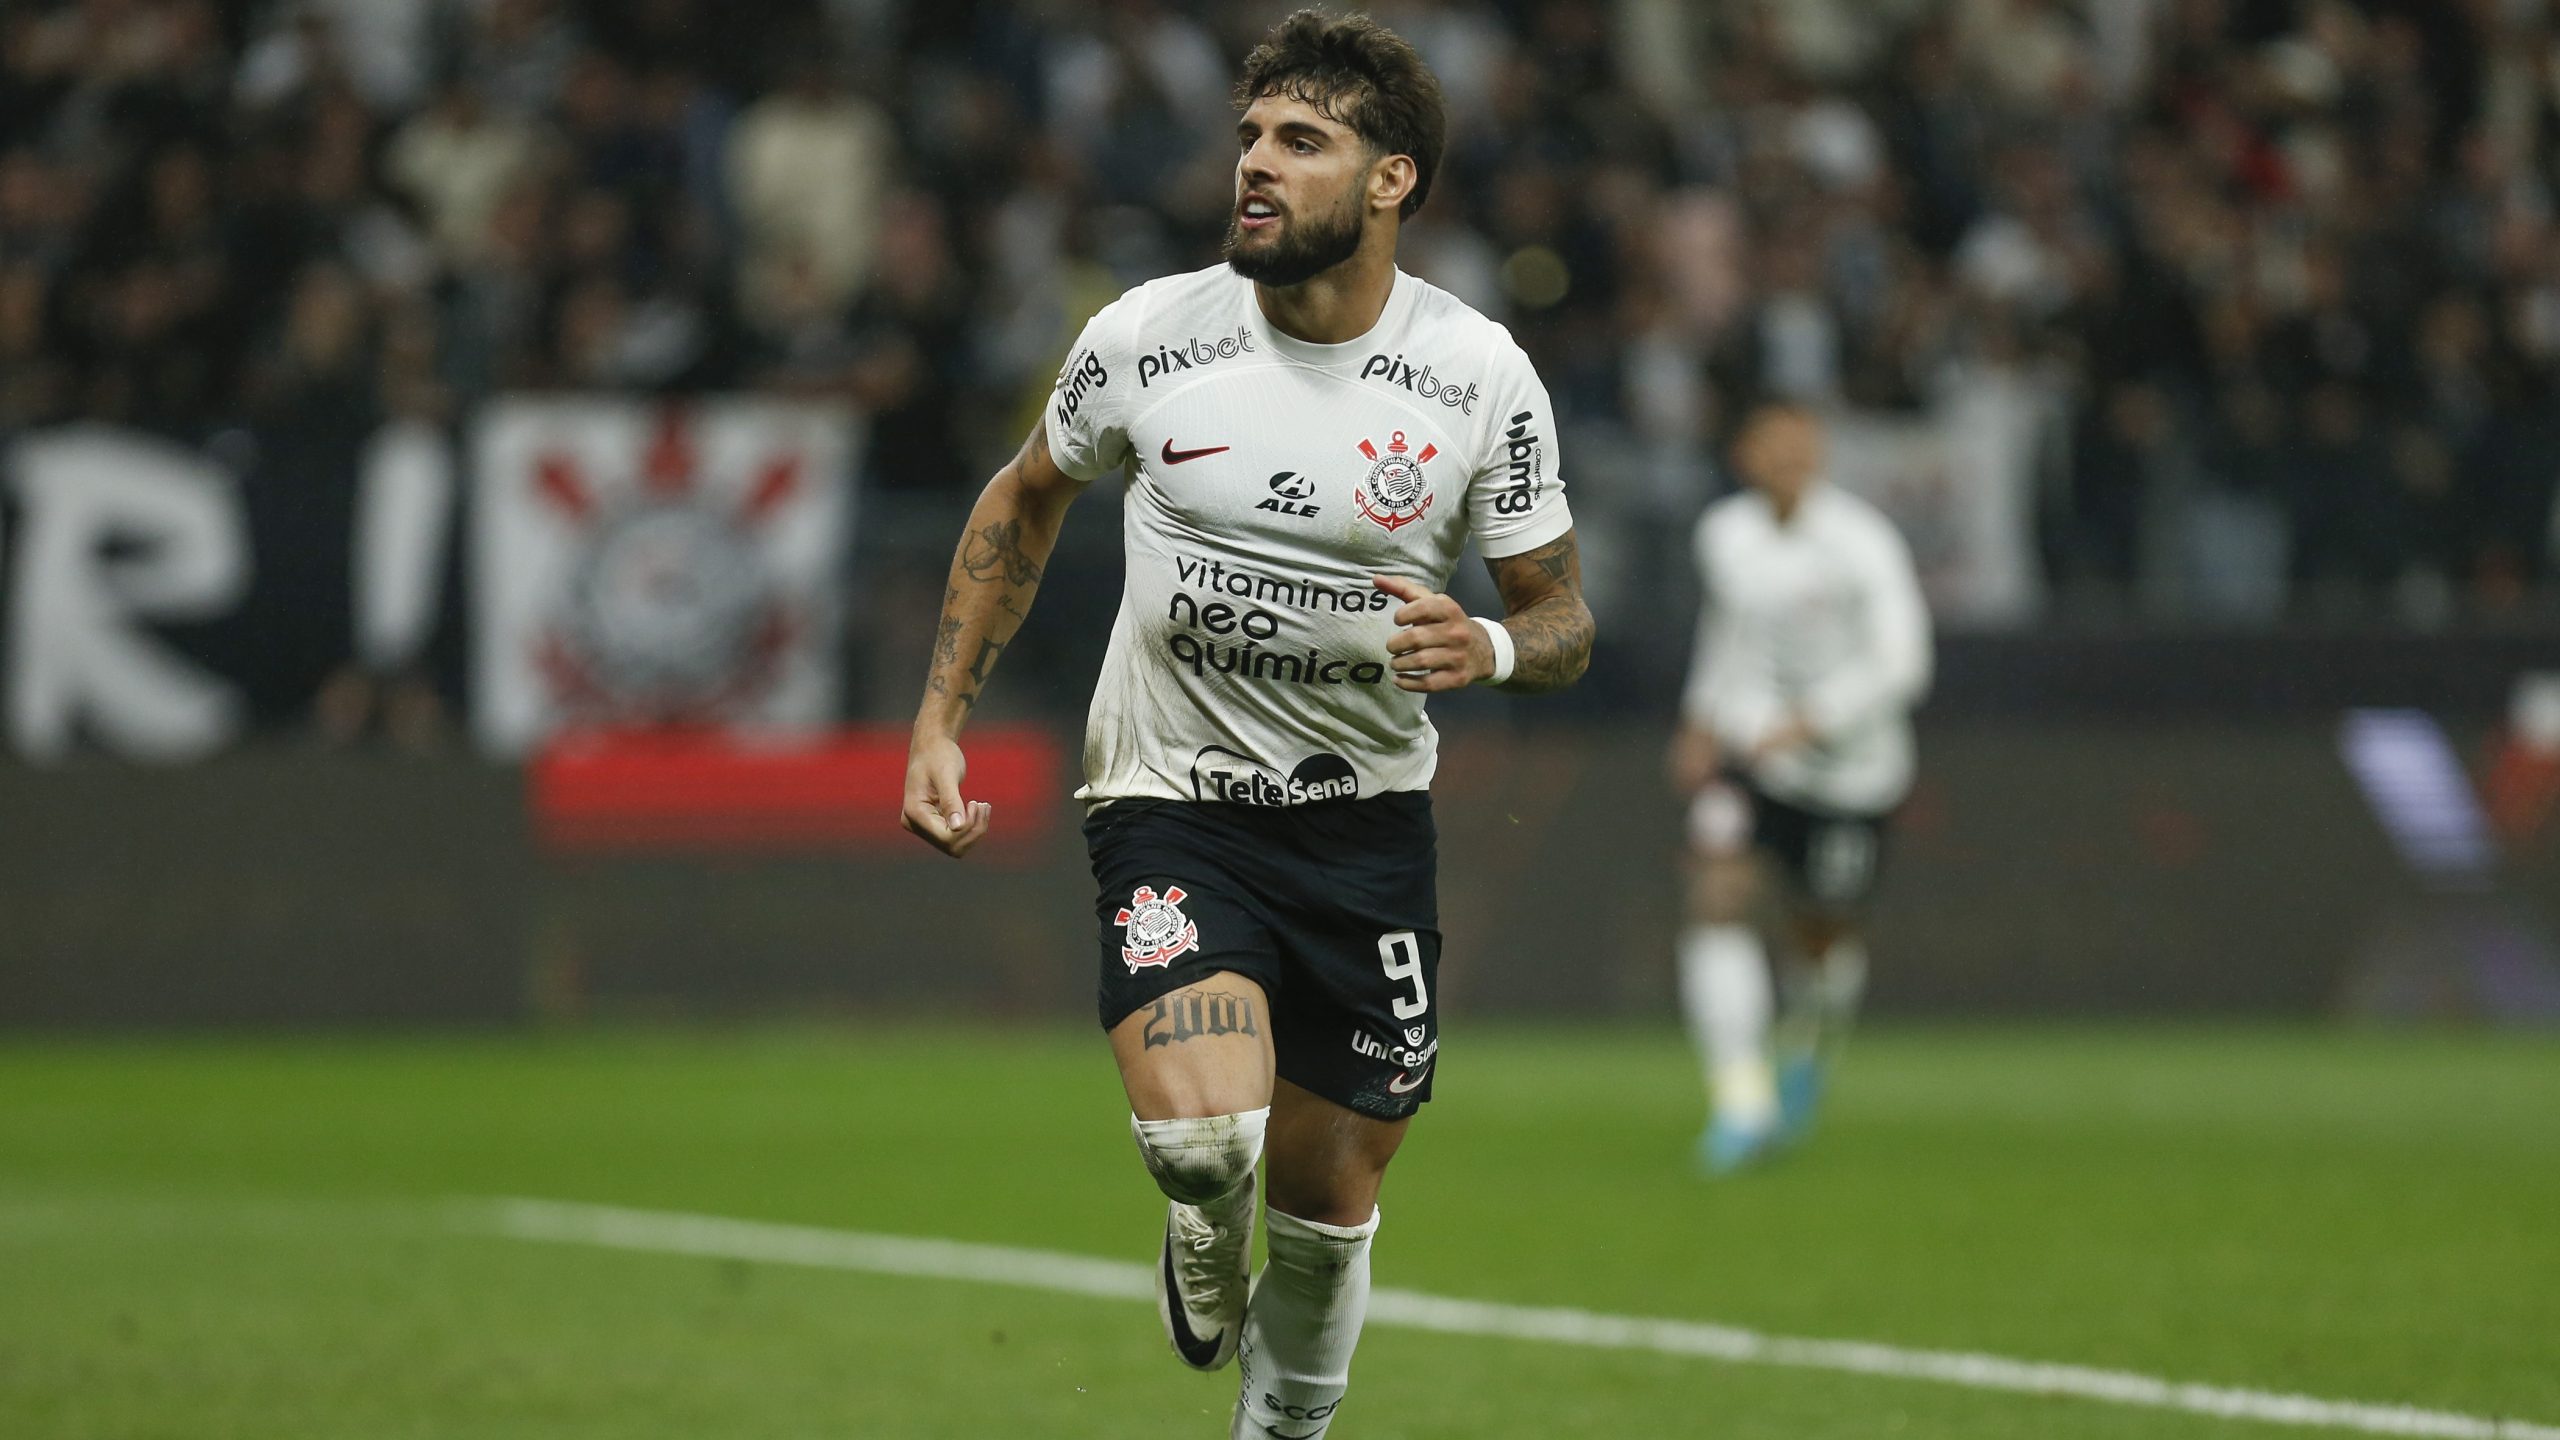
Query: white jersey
column 1269, row 479
column 1820, row 616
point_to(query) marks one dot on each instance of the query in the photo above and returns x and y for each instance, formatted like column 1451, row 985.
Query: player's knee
column 1721, row 890
column 1817, row 930
column 1197, row 1160
column 1715, row 907
column 1339, row 1200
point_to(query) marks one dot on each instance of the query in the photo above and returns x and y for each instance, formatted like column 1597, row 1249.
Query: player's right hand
column 1693, row 760
column 1795, row 732
column 934, row 810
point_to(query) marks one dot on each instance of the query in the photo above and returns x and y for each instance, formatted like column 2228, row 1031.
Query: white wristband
column 1498, row 636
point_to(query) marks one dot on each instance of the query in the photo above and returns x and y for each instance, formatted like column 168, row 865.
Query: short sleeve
column 1088, row 410
column 1515, row 502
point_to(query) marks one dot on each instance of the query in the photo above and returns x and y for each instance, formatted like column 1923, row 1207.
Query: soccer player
column 1795, row 747
column 1312, row 436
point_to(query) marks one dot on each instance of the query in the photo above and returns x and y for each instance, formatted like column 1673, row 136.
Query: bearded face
column 1300, row 179
column 1298, row 244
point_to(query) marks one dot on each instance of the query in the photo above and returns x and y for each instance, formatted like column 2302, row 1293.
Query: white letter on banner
column 181, row 552
column 404, row 520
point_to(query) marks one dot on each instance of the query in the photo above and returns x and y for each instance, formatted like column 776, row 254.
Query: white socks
column 1304, row 1316
column 1840, row 982
column 1301, row 1327
column 1822, row 998
column 1204, row 1160
column 1725, row 990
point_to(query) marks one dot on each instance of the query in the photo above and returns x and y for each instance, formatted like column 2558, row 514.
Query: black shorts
column 1332, row 908
column 1830, row 859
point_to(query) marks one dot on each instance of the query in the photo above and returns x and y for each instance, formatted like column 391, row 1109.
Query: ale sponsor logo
column 1289, row 492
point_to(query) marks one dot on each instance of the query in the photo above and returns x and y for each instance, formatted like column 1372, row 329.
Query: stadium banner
column 1959, row 481
column 705, row 793
column 638, row 566
column 115, row 535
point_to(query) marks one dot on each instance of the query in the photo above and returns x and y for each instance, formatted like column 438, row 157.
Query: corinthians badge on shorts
column 1156, row 928
column 1396, row 493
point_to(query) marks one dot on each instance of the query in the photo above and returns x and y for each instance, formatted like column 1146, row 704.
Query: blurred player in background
column 1313, row 438
column 1795, row 748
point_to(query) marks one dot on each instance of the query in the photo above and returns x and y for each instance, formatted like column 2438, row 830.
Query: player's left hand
column 1439, row 648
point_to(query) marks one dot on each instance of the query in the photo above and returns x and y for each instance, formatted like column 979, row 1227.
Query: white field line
column 665, row 1233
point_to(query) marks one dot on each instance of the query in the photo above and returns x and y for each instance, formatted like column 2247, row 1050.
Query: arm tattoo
column 994, row 553
column 1190, row 1014
column 1551, row 629
column 1553, row 643
column 946, row 633
column 993, row 577
column 989, row 648
column 940, row 680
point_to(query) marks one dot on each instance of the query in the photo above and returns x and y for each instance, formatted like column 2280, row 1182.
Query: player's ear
column 1390, row 180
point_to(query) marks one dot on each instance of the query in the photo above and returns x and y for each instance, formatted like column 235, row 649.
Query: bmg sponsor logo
column 1218, row 773
column 1084, row 375
column 1525, row 457
column 1173, row 359
column 1394, row 371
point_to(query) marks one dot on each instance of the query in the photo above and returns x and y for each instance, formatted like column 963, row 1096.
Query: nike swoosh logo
column 1274, row 1432
column 1176, row 457
column 1196, row 1352
column 1409, row 1081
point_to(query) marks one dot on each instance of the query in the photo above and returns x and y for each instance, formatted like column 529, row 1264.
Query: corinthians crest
column 672, row 613
column 1396, row 493
column 1156, row 928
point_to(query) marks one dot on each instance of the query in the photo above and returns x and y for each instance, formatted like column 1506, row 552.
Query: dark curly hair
column 1359, row 73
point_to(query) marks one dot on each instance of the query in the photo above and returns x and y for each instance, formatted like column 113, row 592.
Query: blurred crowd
column 2283, row 275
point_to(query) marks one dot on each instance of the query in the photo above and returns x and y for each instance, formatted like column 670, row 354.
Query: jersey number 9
column 1402, row 956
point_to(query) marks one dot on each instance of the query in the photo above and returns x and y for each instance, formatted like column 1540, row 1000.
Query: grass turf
column 210, row 1238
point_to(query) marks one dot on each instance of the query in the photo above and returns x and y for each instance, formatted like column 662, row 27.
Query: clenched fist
column 1439, row 648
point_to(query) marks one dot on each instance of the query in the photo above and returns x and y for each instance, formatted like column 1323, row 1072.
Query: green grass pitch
column 218, row 1238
